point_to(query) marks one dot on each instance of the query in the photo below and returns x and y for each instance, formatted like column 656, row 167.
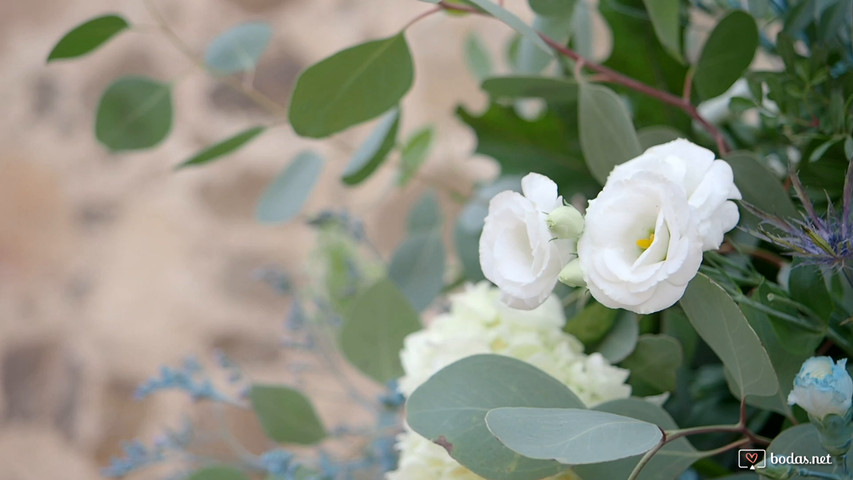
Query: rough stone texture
column 112, row 265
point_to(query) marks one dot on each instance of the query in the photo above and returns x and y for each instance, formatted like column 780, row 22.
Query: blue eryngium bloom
column 823, row 387
column 826, row 241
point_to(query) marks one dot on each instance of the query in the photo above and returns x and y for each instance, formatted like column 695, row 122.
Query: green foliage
column 284, row 197
column 653, row 364
column 477, row 56
column 375, row 325
column 374, row 150
column 726, row 55
column 719, row 322
column 804, row 440
column 418, row 267
column 622, row 338
column 550, row 89
column 379, row 73
column 513, row 22
column 134, row 113
column 223, row 472
column 591, row 324
column 553, row 8
column 286, row 415
column 758, row 185
column 450, row 410
column 606, row 133
column 223, row 148
column 572, row 436
column 238, row 49
column 666, row 20
column 414, row 154
column 88, row 36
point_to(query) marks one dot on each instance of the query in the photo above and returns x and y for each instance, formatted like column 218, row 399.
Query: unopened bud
column 565, row 222
column 572, row 275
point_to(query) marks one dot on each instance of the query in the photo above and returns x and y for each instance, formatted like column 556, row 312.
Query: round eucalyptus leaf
column 134, row 113
column 238, row 49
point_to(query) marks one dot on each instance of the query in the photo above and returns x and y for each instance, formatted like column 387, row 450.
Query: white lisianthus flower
column 641, row 245
column 823, row 387
column 518, row 252
column 478, row 322
column 708, row 184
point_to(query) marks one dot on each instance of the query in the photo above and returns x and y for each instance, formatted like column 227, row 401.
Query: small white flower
column 518, row 252
column 708, row 184
column 823, row 387
column 641, row 244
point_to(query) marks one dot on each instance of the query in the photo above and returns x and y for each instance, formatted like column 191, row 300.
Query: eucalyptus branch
column 612, row 76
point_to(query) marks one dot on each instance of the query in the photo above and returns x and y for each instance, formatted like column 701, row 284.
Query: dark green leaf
column 656, row 135
column 238, row 49
column 719, row 322
column 808, row 286
column 551, row 89
column 221, row 472
column 591, row 324
column 759, row 186
column 374, row 150
column 553, row 8
column 374, row 328
column 606, row 133
column 653, row 364
column 726, row 55
column 134, row 113
column 351, row 86
column 414, row 154
column 477, row 56
column 219, row 150
column 286, row 415
column 284, row 198
column 795, row 339
column 418, row 267
column 450, row 410
column 87, row 37
column 666, row 22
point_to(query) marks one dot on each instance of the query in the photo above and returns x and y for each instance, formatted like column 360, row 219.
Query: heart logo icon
column 751, row 457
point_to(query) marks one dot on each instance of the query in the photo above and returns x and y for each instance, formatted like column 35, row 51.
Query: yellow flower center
column 645, row 243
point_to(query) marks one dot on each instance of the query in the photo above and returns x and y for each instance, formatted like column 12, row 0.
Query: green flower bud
column 565, row 222
column 572, row 275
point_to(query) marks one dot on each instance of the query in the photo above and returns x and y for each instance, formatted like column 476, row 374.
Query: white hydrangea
column 478, row 322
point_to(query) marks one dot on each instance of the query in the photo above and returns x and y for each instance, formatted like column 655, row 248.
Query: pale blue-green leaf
column 286, row 415
column 667, row 24
column 551, row 89
column 450, row 409
column 583, row 36
column 351, row 86
column 374, row 150
column 571, row 436
column 425, row 216
column 134, row 113
column 653, row 364
column 418, row 267
column 218, row 472
column 656, row 135
column 283, row 199
column 374, row 327
column 512, row 21
column 531, row 58
column 719, row 321
column 606, row 133
column 759, row 185
column 223, row 148
column 803, row 440
column 622, row 338
column 88, row 36
column 238, row 49
column 477, row 56
column 414, row 153
column 726, row 54
column 553, row 8
column 668, row 463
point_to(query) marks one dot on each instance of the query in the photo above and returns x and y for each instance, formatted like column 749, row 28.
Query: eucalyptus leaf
column 218, row 472
column 719, row 322
column 653, row 364
column 622, row 338
column 223, row 148
column 666, row 22
column 656, row 135
column 285, row 196
column 286, row 415
column 450, row 409
column 238, row 49
column 592, row 323
column 759, row 186
column 134, row 113
column 88, row 36
column 550, row 89
column 477, row 56
column 572, row 436
column 555, row 8
column 804, row 440
column 607, row 135
column 374, row 327
column 374, row 150
column 418, row 267
column 414, row 154
column 425, row 216
column 531, row 59
column 726, row 54
column 513, row 22
column 351, row 86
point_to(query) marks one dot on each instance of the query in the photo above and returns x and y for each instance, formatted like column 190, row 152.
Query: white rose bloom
column 478, row 322
column 518, row 252
column 823, row 387
column 708, row 184
column 641, row 245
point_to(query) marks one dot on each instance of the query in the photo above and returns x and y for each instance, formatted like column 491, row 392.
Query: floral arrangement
column 670, row 242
